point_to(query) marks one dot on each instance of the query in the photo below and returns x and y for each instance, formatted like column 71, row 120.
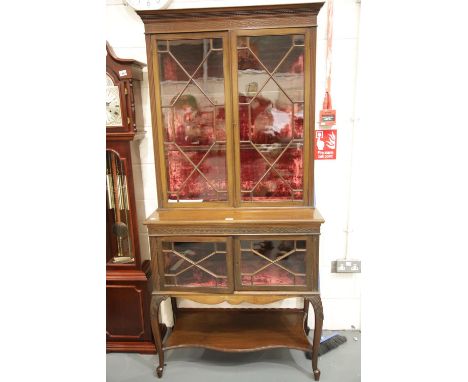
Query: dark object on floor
column 329, row 343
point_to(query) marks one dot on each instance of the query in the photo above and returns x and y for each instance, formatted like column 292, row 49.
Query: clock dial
column 113, row 111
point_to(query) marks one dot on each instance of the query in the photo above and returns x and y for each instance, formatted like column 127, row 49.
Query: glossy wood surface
column 239, row 330
column 233, row 299
column 126, row 74
column 125, row 311
column 232, row 216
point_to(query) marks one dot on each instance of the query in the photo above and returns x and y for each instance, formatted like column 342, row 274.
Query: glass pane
column 301, row 244
column 270, row 49
column 271, row 117
column 167, row 245
column 290, row 74
column 251, row 263
column 290, row 166
column 252, row 169
column 194, row 264
column 272, row 186
column 119, row 231
column 190, row 122
column 192, row 95
column 196, row 173
column 163, row 46
column 209, row 78
column 298, row 121
column 273, row 262
column 113, row 110
column 298, row 40
column 273, row 276
column 173, row 79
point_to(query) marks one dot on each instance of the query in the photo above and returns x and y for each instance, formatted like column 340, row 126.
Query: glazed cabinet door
column 276, row 263
column 193, row 118
column 271, row 81
column 201, row 264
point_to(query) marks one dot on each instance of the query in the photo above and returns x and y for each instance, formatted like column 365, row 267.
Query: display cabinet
column 232, row 99
column 127, row 296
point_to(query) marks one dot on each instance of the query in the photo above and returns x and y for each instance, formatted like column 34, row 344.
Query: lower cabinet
column 232, row 257
column 236, row 263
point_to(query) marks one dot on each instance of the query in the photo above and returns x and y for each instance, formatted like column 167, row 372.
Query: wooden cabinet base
column 142, row 347
column 127, row 313
column 239, row 330
column 131, row 347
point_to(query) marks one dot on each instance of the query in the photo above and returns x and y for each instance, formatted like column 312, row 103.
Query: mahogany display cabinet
column 232, row 99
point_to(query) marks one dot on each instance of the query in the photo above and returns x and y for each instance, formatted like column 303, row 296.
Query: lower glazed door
column 195, row 264
column 275, row 263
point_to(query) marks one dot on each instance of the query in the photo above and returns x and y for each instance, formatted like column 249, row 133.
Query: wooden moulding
column 133, row 67
column 146, row 347
column 235, row 221
column 125, row 275
column 233, row 299
column 238, row 297
column 229, row 18
column 239, row 330
column 142, row 347
column 277, row 230
column 126, row 74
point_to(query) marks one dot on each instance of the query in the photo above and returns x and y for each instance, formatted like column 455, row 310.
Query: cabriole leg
column 155, row 304
column 306, row 311
column 316, row 302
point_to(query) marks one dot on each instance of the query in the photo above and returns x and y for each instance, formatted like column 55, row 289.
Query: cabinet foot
column 156, row 328
column 316, row 302
column 159, row 371
column 317, row 374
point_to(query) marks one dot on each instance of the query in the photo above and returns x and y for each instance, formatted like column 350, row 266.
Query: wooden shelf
column 239, row 330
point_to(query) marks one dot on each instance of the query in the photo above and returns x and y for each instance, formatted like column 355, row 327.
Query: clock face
column 113, row 111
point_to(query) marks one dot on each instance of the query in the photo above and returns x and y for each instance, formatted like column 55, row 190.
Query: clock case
column 126, row 74
column 127, row 299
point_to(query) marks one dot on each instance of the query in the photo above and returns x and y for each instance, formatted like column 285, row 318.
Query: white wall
column 340, row 292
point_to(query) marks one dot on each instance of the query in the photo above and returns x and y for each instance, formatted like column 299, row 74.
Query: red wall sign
column 325, row 144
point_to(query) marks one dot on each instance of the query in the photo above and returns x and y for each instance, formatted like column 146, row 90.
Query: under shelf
column 239, row 330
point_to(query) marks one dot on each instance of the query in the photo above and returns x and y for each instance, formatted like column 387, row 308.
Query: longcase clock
column 127, row 317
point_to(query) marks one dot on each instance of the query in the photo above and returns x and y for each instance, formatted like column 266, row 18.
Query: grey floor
column 342, row 364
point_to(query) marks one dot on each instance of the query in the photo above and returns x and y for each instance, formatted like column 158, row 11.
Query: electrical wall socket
column 346, row 266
